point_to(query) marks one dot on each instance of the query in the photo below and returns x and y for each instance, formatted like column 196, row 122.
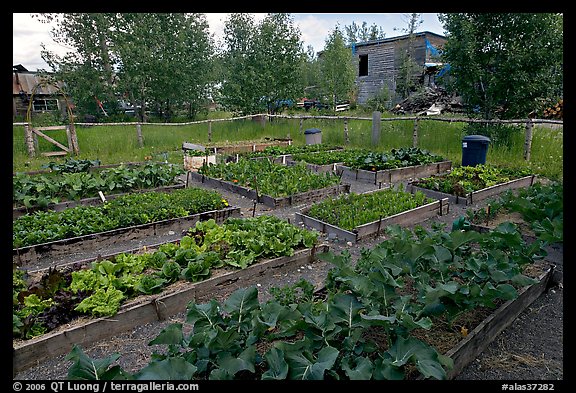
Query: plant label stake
column 102, row 196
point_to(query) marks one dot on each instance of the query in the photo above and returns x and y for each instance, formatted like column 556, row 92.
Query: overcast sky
column 28, row 33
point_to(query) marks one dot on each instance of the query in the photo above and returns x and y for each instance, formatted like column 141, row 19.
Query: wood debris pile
column 430, row 101
column 555, row 111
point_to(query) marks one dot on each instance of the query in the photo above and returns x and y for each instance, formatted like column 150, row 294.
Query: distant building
column 27, row 85
column 379, row 61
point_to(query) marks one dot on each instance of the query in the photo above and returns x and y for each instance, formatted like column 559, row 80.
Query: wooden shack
column 28, row 85
column 380, row 61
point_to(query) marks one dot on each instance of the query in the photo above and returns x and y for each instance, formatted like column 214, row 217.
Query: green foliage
column 349, row 211
column 255, row 55
column 505, row 65
column 127, row 210
column 337, row 70
column 542, row 206
column 268, row 178
column 396, row 288
column 112, row 51
column 72, row 165
column 501, row 135
column 68, row 182
column 100, row 288
column 380, row 102
column 463, row 180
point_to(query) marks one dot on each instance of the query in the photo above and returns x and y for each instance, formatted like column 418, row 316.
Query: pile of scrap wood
column 430, row 101
column 555, row 111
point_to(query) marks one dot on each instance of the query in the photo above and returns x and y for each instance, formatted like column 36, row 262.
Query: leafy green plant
column 463, row 180
column 270, row 179
column 72, row 165
column 540, row 205
column 67, row 184
column 399, row 287
column 351, row 210
column 121, row 212
column 100, row 289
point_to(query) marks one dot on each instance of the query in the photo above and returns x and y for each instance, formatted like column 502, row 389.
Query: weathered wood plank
column 475, row 196
column 268, row 200
column 476, row 342
column 393, row 175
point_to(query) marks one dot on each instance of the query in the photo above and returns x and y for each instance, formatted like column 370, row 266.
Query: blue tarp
column 430, row 47
column 444, row 70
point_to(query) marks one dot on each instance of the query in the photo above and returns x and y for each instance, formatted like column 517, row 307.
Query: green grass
column 114, row 144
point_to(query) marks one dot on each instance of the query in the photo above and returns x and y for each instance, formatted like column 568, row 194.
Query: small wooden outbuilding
column 380, row 61
column 27, row 85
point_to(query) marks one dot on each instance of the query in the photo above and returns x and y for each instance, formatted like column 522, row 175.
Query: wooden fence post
column 139, row 132
column 415, row 134
column 528, row 140
column 346, row 136
column 29, row 141
column 210, row 131
column 376, row 116
column 72, row 138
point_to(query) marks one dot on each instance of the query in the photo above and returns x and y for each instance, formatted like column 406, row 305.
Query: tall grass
column 114, row 144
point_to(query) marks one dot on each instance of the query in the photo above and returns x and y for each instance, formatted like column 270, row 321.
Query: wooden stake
column 415, row 134
column 528, row 140
column 29, row 141
column 139, row 133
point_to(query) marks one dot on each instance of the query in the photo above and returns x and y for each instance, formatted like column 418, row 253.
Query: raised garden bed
column 408, row 217
column 173, row 298
column 28, row 256
column 303, row 197
column 40, row 191
column 95, row 201
column 153, row 308
column 475, row 196
column 388, row 176
column 272, row 184
column 470, row 347
column 281, row 154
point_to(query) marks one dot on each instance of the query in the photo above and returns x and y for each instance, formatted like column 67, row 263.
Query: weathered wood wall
column 384, row 61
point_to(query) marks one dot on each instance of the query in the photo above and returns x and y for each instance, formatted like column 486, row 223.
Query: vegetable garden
column 377, row 316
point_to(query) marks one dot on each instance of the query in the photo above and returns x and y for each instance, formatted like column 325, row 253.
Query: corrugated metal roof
column 26, row 81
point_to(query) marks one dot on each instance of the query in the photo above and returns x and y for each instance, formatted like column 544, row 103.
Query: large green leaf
column 244, row 361
column 345, row 308
column 171, row 335
column 204, row 315
column 277, row 366
column 303, row 366
column 85, row 368
column 239, row 305
column 410, row 349
column 357, row 368
column 172, row 369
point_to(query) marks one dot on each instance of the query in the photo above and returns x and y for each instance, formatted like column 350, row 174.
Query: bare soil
column 530, row 349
